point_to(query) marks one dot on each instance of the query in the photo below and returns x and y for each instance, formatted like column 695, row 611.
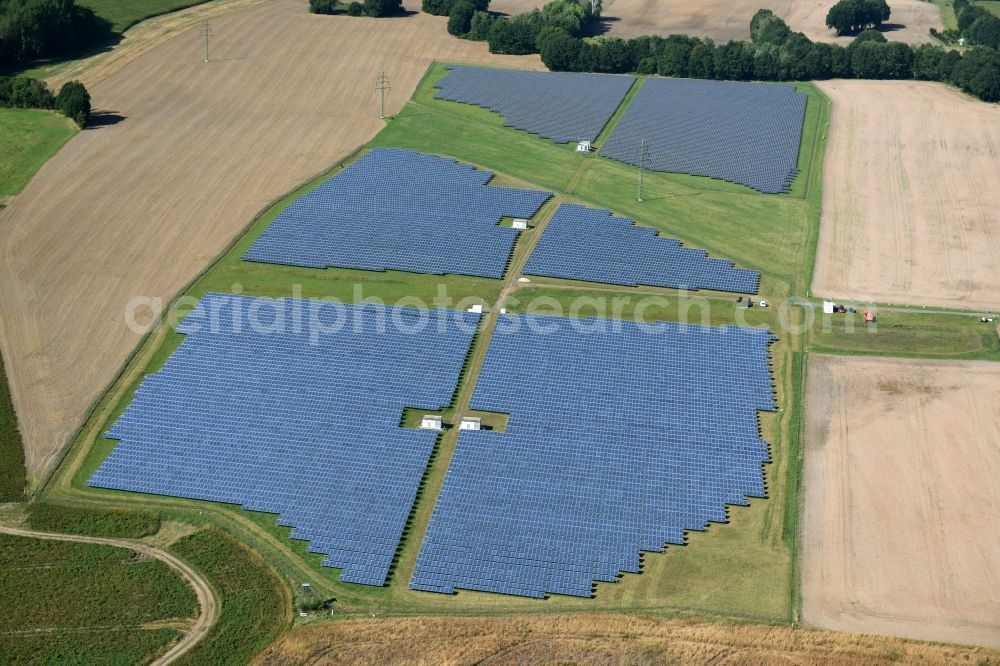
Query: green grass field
column 29, row 137
column 993, row 6
column 947, row 10
column 86, row 603
column 123, row 14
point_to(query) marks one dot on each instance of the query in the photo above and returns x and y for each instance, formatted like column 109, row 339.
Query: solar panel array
column 295, row 419
column 745, row 133
column 581, row 243
column 618, row 441
column 400, row 210
column 561, row 106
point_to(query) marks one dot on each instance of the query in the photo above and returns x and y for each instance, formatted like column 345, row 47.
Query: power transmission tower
column 382, row 84
column 206, row 32
column 642, row 159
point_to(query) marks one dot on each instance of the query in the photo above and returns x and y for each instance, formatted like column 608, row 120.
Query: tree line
column 520, row 34
column 33, row 29
column 774, row 53
column 976, row 25
column 21, row 92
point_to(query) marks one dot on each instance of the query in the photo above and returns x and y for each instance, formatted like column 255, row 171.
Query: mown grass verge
column 907, row 334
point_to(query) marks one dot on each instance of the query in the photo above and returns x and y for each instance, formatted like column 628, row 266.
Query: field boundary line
column 208, row 602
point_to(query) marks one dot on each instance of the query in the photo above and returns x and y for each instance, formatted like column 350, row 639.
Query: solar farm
column 305, row 429
column 559, row 106
column 618, row 443
column 610, row 463
column 746, row 133
column 627, row 255
column 400, row 210
column 430, row 354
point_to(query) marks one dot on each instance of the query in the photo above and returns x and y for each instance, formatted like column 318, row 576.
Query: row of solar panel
column 560, row 106
column 627, row 255
column 286, row 421
column 400, row 210
column 746, row 133
column 557, row 501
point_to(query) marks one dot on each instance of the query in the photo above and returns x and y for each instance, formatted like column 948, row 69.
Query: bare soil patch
column 590, row 639
column 902, row 494
column 138, row 206
column 910, row 197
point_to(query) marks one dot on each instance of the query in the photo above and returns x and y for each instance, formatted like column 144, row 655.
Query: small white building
column 583, row 147
column 430, row 422
column 828, row 307
column 520, row 224
column 477, row 308
column 471, row 423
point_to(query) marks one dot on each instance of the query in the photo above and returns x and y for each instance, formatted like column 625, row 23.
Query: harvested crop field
column 591, row 639
column 909, row 196
column 184, row 156
column 911, row 21
column 717, row 19
column 902, row 494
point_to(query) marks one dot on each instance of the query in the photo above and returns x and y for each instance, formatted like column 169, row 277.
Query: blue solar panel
column 400, row 210
column 293, row 407
column 581, row 243
column 619, row 440
column 561, row 106
column 745, row 133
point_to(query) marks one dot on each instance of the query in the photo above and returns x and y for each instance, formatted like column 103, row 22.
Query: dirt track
column 208, row 605
column 139, row 207
column 591, row 639
column 910, row 196
column 902, row 498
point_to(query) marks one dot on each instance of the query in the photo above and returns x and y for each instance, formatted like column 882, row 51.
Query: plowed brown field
column 910, row 196
column 902, row 498
column 139, row 207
